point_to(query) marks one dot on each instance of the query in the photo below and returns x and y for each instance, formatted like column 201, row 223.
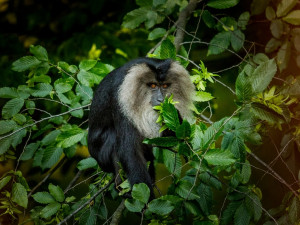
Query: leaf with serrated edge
column 19, row 195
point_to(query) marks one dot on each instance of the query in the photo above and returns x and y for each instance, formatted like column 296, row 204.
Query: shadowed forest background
column 238, row 164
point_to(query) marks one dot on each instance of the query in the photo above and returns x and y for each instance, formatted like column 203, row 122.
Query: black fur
column 112, row 138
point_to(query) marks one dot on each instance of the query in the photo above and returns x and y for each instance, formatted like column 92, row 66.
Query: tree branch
column 182, row 20
column 86, row 203
column 118, row 213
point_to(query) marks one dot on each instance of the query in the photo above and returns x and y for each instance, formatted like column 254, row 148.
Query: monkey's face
column 158, row 92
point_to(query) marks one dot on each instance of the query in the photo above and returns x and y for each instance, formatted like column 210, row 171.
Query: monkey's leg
column 135, row 167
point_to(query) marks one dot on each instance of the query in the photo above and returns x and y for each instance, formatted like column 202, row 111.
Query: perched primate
column 122, row 114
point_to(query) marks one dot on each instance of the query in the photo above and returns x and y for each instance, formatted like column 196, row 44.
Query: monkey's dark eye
column 152, row 85
column 165, row 85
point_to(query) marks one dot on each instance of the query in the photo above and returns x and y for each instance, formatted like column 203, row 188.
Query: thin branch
column 182, row 20
column 46, row 177
column 76, row 177
column 274, row 173
column 86, row 203
column 41, row 120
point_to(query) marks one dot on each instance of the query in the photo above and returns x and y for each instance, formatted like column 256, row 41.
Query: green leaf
column 19, row 118
column 4, row 181
column 253, row 205
column 7, row 126
column 50, row 137
column 63, row 98
column 212, row 133
column 170, row 115
column 50, row 210
column 293, row 17
column 89, row 217
column 206, row 198
column 12, row 107
column 43, row 197
column 222, row 4
column 167, row 50
column 285, row 6
column 51, row 156
column 77, row 113
column 237, row 40
column 39, row 52
column 270, row 13
column 87, row 64
column 219, row 43
column 228, row 213
column 134, row 18
column 210, row 180
column 183, row 130
column 242, row 216
column 63, row 85
column 30, row 105
column 263, row 75
column 202, row 96
column 283, row 55
column 29, row 151
column 294, row 211
column 134, row 205
column 246, row 172
column 160, row 207
column 142, row 3
column 208, row 19
column 102, row 69
column 264, row 113
column 192, row 208
column 41, row 90
column 272, row 45
column 277, row 28
column 173, row 162
column 258, row 6
column 219, row 157
column 19, row 195
column 243, row 20
column 70, row 137
column 184, row 189
column 25, row 63
column 4, row 145
column 87, row 163
column 17, row 138
column 141, row 192
column 8, row 92
column 152, row 18
column 243, row 87
column 37, row 159
column 56, row 192
column 88, row 78
column 156, row 33
column 162, row 141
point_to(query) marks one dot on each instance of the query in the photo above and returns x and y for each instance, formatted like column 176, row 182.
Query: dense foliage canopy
column 236, row 164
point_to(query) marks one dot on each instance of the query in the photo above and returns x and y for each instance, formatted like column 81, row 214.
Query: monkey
column 121, row 115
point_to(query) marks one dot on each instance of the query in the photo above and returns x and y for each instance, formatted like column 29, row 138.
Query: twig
column 41, row 120
column 46, row 177
column 76, row 177
column 86, row 203
column 118, row 213
column 274, row 173
column 182, row 20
